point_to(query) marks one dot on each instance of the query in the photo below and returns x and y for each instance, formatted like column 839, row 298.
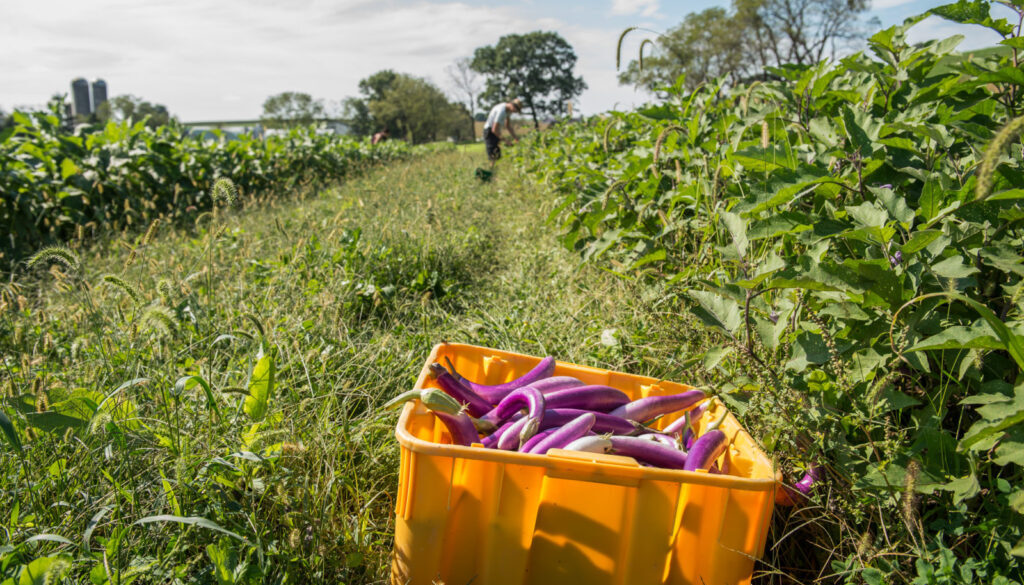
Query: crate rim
column 627, row 470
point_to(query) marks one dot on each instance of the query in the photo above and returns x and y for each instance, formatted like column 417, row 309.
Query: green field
column 348, row 289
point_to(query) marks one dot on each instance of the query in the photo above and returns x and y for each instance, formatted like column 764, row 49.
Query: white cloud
column 884, row 4
column 644, row 7
column 933, row 27
column 221, row 60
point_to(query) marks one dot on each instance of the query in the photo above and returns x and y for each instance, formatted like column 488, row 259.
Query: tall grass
column 130, row 385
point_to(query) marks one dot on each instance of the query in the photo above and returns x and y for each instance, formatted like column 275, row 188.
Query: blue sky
column 220, row 60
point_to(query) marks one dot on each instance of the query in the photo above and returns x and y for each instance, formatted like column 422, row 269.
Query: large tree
column 743, row 42
column 704, row 46
column 412, row 107
column 291, row 109
column 536, row 67
column 357, row 114
column 799, row 31
column 133, row 109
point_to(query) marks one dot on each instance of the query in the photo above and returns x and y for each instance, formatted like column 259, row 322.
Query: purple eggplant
column 812, row 476
column 706, row 449
column 556, row 417
column 689, row 419
column 650, row 452
column 491, row 440
column 605, row 423
column 645, row 409
column 512, row 437
column 536, row 439
column 494, row 394
column 661, row 438
column 557, row 383
column 526, row 397
column 596, row 398
column 566, row 434
column 475, row 404
column 460, row 427
column 590, row 444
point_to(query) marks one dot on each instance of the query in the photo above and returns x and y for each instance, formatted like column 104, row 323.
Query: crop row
column 851, row 232
column 56, row 186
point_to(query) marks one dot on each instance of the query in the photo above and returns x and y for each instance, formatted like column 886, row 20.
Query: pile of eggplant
column 539, row 412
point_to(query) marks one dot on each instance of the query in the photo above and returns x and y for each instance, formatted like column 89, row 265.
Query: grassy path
column 346, row 290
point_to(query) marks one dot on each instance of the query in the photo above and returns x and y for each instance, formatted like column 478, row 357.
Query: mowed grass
column 106, row 366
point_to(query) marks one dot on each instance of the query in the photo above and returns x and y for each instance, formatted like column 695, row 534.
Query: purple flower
column 885, row 186
column 895, row 259
column 773, row 316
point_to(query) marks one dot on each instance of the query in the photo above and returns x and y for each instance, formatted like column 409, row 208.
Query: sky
column 218, row 60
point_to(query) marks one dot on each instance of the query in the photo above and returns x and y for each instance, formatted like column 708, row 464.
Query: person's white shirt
column 496, row 116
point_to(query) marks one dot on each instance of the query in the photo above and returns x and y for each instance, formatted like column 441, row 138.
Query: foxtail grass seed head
column 99, row 422
column 618, row 47
column 160, row 319
column 764, row 134
column 130, row 260
column 643, row 44
column 42, row 398
column 910, row 492
column 59, row 254
column 151, row 232
column 224, row 191
column 992, row 154
column 122, row 284
column 164, row 289
column 864, row 544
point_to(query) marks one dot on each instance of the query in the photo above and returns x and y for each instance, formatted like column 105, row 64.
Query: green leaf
column 1017, row 501
column 68, row 168
column 1018, row 550
column 933, row 201
column 48, row 538
column 186, row 382
column 261, row 384
column 190, row 521
column 892, row 399
column 963, row 488
column 9, row 431
column 868, row 214
column 1011, row 448
column 996, row 417
column 93, row 523
column 861, row 129
column 872, row 576
column 737, row 229
column 716, row 311
column 973, row 12
column 977, row 336
column 919, row 240
column 43, row 571
column 953, row 267
column 224, row 560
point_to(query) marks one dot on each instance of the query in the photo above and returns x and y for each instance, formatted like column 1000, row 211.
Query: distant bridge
column 256, row 122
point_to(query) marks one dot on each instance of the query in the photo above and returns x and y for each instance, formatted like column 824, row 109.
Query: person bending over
column 492, row 127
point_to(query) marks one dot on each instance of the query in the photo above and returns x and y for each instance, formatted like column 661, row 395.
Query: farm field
column 347, row 289
column 193, row 381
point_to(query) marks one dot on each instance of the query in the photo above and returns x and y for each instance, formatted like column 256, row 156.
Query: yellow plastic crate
column 488, row 517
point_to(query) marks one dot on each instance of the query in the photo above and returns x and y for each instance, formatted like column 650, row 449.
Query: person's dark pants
column 491, row 142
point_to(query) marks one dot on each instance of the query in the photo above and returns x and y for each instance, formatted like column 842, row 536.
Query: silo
column 80, row 97
column 99, row 93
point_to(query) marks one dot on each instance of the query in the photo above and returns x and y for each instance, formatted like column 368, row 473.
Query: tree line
column 742, row 42
column 536, row 67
